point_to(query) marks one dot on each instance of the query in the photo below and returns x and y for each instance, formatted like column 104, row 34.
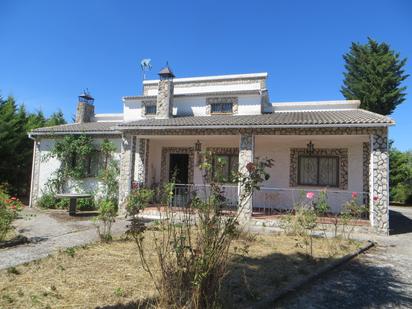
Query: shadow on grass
column 142, row 304
column 357, row 284
column 399, row 223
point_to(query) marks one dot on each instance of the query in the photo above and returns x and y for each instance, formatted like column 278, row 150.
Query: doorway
column 178, row 168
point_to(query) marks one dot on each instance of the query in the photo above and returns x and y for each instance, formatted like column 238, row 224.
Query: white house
column 314, row 145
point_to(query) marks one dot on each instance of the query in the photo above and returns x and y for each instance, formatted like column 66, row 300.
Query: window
column 221, row 108
column 150, row 109
column 224, row 166
column 318, row 171
column 92, row 164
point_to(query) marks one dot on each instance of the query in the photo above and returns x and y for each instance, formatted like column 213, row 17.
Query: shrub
column 138, row 200
column 50, row 201
column 9, row 209
column 86, row 204
column 105, row 219
column 192, row 247
column 321, row 204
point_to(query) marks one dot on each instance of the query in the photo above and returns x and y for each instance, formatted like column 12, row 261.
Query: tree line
column 16, row 149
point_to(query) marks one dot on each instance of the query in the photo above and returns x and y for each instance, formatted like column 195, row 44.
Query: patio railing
column 268, row 200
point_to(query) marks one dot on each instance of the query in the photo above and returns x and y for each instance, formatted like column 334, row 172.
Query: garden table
column 73, row 200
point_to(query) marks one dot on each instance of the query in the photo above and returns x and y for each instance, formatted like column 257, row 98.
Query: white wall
column 49, row 165
column 278, row 149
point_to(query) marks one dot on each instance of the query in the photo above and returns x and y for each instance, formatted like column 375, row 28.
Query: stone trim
column 366, row 161
column 126, row 170
column 147, row 103
column 264, row 131
column 146, row 162
column 164, row 165
column 342, row 153
column 233, row 100
column 379, row 191
column 223, row 150
column 34, row 192
column 246, row 155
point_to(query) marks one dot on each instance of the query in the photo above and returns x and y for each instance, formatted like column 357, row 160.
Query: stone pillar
column 34, row 185
column 379, row 181
column 140, row 162
column 164, row 106
column 246, row 155
column 126, row 171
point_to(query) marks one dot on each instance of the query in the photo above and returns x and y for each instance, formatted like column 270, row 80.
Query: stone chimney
column 164, row 106
column 85, row 108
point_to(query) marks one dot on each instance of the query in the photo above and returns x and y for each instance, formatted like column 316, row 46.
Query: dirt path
column 49, row 232
column 381, row 278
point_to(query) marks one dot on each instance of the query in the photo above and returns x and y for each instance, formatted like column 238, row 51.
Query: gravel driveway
column 380, row 278
column 49, row 232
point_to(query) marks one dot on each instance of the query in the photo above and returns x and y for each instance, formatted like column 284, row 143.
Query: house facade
column 316, row 146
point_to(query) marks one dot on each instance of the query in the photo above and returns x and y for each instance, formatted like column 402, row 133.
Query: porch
column 341, row 164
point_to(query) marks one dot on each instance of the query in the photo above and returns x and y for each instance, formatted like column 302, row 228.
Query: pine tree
column 374, row 74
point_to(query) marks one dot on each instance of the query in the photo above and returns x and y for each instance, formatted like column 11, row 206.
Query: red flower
column 354, row 194
column 375, row 198
column 250, row 167
column 14, row 198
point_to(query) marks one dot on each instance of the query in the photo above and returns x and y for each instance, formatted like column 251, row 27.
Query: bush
column 50, row 201
column 9, row 209
column 86, row 204
column 105, row 219
column 138, row 200
column 402, row 193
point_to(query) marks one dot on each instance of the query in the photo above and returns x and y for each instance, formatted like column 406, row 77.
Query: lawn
column 104, row 274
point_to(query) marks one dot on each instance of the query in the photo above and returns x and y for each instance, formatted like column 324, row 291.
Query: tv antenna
column 146, row 66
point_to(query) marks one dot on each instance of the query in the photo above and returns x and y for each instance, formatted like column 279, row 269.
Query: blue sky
column 51, row 50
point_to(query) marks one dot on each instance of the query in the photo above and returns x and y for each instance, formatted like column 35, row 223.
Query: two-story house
column 161, row 133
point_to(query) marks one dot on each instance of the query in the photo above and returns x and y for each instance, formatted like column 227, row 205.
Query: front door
column 178, row 168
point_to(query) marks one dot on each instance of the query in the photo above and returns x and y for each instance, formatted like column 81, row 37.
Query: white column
column 246, row 155
column 34, row 184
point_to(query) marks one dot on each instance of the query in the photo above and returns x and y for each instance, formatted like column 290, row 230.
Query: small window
column 92, row 164
column 150, row 109
column 318, row 171
column 221, row 108
column 224, row 167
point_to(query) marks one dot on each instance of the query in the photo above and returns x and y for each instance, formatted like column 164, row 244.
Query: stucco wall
column 278, row 149
column 49, row 165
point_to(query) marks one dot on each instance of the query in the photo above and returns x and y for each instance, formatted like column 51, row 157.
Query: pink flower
column 375, row 198
column 310, row 195
column 250, row 167
column 14, row 198
column 354, row 194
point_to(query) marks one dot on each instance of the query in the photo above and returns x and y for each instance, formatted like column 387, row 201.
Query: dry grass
column 108, row 274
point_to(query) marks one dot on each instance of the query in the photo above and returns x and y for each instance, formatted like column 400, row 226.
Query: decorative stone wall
column 246, row 155
column 342, row 153
column 164, row 165
column 84, row 112
column 147, row 103
column 223, row 150
column 126, row 171
column 233, row 100
column 164, row 107
column 379, row 182
column 34, row 191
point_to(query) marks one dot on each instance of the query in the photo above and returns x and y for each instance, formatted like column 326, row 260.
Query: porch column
column 34, row 185
column 141, row 161
column 246, row 155
column 379, row 181
column 126, row 171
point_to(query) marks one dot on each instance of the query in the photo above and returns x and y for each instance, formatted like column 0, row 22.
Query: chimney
column 85, row 108
column 164, row 106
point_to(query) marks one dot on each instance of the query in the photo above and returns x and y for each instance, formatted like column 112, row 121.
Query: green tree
column 400, row 176
column 16, row 149
column 374, row 74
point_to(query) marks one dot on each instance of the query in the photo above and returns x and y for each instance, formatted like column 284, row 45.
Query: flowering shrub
column 9, row 209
